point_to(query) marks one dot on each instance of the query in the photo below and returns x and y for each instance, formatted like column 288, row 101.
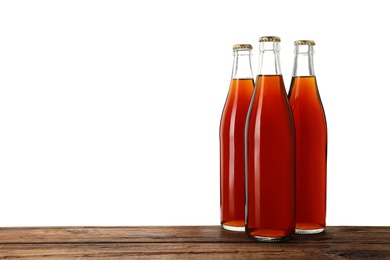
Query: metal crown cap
column 269, row 39
column 304, row 42
column 242, row 47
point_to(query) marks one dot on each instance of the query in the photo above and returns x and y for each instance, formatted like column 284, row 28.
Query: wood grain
column 188, row 242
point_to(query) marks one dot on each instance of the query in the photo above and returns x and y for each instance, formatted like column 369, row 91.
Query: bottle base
column 270, row 235
column 271, row 239
column 308, row 228
column 233, row 228
column 309, row 231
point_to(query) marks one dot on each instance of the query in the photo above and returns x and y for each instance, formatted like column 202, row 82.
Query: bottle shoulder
column 304, row 88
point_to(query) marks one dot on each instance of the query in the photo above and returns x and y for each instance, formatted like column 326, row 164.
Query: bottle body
column 270, row 158
column 311, row 145
column 232, row 153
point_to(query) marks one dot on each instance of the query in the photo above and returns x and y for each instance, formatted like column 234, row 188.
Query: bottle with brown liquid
column 311, row 142
column 232, row 127
column 270, row 152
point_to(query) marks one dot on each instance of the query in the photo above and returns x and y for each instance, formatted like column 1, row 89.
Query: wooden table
column 188, row 242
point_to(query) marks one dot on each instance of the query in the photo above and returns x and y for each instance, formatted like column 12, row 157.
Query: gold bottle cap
column 242, row 47
column 269, row 39
column 304, row 42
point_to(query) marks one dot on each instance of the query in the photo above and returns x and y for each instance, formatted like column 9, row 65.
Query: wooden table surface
column 188, row 242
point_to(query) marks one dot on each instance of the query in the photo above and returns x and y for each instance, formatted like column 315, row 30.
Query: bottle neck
column 269, row 63
column 303, row 61
column 242, row 65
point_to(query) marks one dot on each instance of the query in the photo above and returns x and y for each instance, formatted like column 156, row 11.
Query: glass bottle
column 232, row 127
column 270, row 152
column 311, row 142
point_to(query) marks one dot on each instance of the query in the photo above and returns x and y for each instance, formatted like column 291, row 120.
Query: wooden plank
column 175, row 234
column 120, row 234
column 188, row 243
column 190, row 250
column 160, row 250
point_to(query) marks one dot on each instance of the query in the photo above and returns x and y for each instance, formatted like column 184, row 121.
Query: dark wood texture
column 188, row 242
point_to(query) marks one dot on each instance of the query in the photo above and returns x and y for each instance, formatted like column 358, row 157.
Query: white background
column 109, row 110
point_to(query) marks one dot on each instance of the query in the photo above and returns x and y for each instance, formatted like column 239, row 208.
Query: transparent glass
column 270, row 154
column 311, row 144
column 232, row 127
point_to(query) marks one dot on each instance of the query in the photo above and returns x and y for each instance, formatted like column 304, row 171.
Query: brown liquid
column 232, row 152
column 311, row 152
column 271, row 162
